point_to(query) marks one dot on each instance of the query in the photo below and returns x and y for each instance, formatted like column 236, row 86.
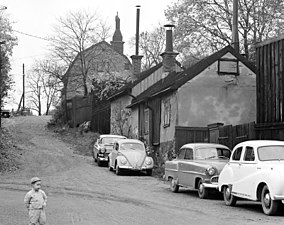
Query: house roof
column 126, row 89
column 90, row 48
column 175, row 80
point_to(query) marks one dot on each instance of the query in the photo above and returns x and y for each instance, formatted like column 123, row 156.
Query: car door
column 246, row 184
column 186, row 176
column 235, row 165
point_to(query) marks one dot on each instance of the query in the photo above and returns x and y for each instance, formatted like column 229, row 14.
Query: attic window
column 228, row 66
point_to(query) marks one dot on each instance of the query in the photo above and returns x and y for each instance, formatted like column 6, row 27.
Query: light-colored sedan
column 255, row 172
column 103, row 146
column 197, row 167
column 130, row 154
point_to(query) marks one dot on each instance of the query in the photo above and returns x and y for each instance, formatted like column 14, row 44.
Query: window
column 237, row 154
column 249, row 154
column 181, row 153
column 167, row 112
column 188, row 154
column 228, row 66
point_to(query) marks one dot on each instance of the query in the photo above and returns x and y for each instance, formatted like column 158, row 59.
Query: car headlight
column 211, row 171
column 123, row 160
column 102, row 150
column 148, row 161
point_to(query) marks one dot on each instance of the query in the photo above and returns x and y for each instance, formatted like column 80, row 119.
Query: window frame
column 237, row 160
column 237, row 73
column 167, row 112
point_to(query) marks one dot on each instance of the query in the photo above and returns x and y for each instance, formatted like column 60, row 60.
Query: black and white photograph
column 142, row 112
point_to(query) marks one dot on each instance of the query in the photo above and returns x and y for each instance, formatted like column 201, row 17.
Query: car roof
column 120, row 141
column 201, row 145
column 111, row 135
column 256, row 143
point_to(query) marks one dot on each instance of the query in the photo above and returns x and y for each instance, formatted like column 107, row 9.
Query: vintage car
column 197, row 167
column 5, row 113
column 103, row 146
column 130, row 154
column 255, row 172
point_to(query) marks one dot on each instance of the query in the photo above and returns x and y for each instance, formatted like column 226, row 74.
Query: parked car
column 255, row 172
column 103, row 146
column 130, row 154
column 5, row 113
column 197, row 167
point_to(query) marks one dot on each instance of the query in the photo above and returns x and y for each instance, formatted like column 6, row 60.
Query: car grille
column 214, row 179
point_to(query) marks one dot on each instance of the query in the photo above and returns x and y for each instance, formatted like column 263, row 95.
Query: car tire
column 117, row 170
column 173, row 185
column 149, row 172
column 202, row 191
column 269, row 206
column 95, row 157
column 99, row 162
column 229, row 199
column 109, row 166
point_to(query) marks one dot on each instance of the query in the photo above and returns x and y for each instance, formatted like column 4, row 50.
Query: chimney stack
column 169, row 56
column 235, row 31
column 136, row 59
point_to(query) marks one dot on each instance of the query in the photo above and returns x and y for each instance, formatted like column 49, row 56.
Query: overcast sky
column 36, row 17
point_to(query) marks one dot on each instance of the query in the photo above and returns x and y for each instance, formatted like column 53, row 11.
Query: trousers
column 37, row 216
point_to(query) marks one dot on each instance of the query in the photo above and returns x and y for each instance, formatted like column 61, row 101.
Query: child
column 35, row 201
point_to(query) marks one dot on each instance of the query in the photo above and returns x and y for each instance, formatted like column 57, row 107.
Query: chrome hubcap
column 201, row 188
column 228, row 193
column 267, row 200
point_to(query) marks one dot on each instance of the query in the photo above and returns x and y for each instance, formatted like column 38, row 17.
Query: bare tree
column 73, row 34
column 45, row 84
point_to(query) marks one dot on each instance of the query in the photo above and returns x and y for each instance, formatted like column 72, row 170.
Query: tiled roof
column 175, row 80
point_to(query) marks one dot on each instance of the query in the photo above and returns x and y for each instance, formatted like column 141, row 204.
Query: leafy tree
column 205, row 26
column 6, row 49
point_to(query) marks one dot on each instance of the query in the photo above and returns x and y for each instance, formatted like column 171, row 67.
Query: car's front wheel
column 173, row 185
column 202, row 191
column 229, row 199
column 269, row 206
column 99, row 162
column 109, row 166
column 117, row 170
column 149, row 172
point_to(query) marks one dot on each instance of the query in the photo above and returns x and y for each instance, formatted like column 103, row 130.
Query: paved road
column 80, row 192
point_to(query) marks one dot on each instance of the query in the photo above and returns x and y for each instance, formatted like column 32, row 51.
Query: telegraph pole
column 23, row 88
column 235, row 30
column 1, row 82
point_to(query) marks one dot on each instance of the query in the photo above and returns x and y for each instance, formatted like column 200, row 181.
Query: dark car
column 5, row 113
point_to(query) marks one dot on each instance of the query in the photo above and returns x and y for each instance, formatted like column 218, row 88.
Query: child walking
column 35, row 201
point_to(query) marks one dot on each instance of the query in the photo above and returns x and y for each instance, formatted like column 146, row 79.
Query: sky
column 36, row 18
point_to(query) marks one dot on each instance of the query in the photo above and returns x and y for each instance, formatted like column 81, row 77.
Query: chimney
column 169, row 56
column 117, row 43
column 235, row 31
column 136, row 59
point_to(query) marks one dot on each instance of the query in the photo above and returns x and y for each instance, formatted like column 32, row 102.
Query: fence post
column 214, row 132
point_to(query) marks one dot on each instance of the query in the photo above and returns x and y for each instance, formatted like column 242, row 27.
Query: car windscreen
column 212, row 152
column 266, row 153
column 109, row 140
column 132, row 146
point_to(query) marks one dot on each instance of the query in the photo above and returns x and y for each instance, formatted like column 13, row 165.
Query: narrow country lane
column 81, row 193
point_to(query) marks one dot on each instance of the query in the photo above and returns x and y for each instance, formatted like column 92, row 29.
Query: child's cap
column 34, row 180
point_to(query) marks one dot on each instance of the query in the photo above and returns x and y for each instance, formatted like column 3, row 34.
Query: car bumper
column 278, row 197
column 103, row 159
column 135, row 168
column 209, row 185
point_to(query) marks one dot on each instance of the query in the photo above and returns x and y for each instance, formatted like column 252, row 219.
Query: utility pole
column 23, row 88
column 1, row 82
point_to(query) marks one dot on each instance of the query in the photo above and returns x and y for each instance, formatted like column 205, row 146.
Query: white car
column 103, row 146
column 255, row 172
column 130, row 154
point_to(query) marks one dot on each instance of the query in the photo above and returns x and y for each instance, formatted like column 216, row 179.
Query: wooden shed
column 270, row 88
